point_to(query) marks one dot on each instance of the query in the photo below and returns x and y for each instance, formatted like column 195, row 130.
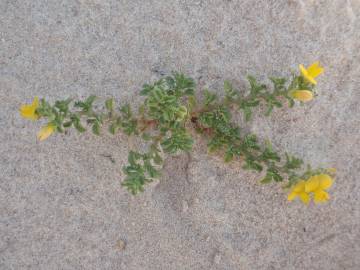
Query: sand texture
column 61, row 203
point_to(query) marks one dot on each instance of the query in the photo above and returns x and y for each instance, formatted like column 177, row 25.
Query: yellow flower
column 318, row 184
column 302, row 95
column 45, row 132
column 299, row 191
column 29, row 110
column 311, row 72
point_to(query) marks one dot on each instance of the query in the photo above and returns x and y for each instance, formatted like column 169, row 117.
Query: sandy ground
column 61, row 203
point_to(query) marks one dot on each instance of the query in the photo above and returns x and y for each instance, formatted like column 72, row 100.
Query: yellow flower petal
column 35, row 102
column 299, row 187
column 304, row 197
column 312, row 184
column 45, row 132
column 325, row 181
column 303, row 70
column 306, row 74
column 292, row 195
column 310, row 79
column 29, row 110
column 315, row 69
column 321, row 196
column 302, row 95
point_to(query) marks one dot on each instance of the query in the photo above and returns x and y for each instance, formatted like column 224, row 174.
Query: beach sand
column 61, row 202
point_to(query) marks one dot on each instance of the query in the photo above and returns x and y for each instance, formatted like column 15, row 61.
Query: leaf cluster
column 260, row 93
column 142, row 169
column 228, row 138
column 166, row 104
column 168, row 112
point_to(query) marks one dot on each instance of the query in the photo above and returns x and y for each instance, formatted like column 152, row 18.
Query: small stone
column 195, row 201
column 217, row 258
column 206, row 237
column 121, row 245
column 185, row 206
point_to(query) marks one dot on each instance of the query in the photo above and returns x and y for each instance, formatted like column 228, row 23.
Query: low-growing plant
column 171, row 112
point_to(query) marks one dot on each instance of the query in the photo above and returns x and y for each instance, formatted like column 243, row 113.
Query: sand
column 61, row 203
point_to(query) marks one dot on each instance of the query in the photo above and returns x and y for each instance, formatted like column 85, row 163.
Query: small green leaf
column 90, row 99
column 67, row 124
column 146, row 136
column 228, row 156
column 266, row 180
column 96, row 128
column 179, row 140
column 269, row 110
column 133, row 157
column 113, row 128
column 255, row 87
column 247, row 113
column 77, row 124
column 250, row 163
column 86, row 105
column 157, row 159
column 151, row 170
column 63, row 105
column 209, row 97
column 109, row 104
column 291, row 102
column 126, row 111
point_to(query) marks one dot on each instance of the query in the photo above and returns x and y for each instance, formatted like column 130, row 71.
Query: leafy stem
column 170, row 109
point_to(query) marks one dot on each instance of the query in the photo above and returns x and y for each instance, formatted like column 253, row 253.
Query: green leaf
column 146, row 89
column 63, row 105
column 179, row 140
column 252, row 164
column 86, row 105
column 250, row 141
column 255, row 87
column 192, row 103
column 277, row 103
column 135, row 182
column 279, row 83
column 126, row 111
column 251, row 103
column 290, row 101
column 133, row 157
column 146, row 136
column 77, row 124
column 274, row 175
column 228, row 156
column 129, row 127
column 230, row 93
column 96, row 128
column 293, row 162
column 67, row 124
column 109, row 104
column 157, row 159
column 90, row 100
column 113, row 128
column 209, row 97
column 184, row 86
column 79, row 127
column 266, row 180
column 269, row 154
column 269, row 110
column 153, row 173
column 247, row 113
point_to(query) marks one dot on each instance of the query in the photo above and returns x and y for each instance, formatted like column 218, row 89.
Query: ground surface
column 61, row 204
